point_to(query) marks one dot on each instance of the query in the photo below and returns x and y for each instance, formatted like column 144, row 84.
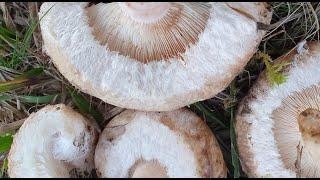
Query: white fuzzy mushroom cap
column 51, row 143
column 272, row 141
column 169, row 56
column 158, row 144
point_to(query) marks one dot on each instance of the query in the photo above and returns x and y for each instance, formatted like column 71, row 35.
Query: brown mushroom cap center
column 148, row 169
column 309, row 125
column 148, row 31
column 309, row 122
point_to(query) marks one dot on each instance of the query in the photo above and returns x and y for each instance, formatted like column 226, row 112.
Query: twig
column 277, row 25
column 33, row 9
column 6, row 16
column 297, row 164
column 316, row 18
column 11, row 126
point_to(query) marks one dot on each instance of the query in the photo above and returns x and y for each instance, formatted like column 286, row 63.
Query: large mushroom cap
column 152, row 56
column 154, row 144
column 278, row 127
column 51, row 143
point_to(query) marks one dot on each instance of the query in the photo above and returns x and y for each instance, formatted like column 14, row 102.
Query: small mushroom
column 51, row 143
column 152, row 56
column 158, row 144
column 278, row 127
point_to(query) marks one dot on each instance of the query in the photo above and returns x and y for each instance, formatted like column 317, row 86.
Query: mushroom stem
column 309, row 122
column 149, row 169
column 145, row 11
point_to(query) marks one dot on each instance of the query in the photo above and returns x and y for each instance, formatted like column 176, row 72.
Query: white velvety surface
column 145, row 137
column 50, row 143
column 178, row 140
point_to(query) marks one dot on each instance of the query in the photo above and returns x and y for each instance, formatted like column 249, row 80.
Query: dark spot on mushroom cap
column 88, row 128
column 304, row 113
column 245, row 109
column 98, row 173
column 57, row 134
column 115, row 132
column 80, row 140
column 93, row 3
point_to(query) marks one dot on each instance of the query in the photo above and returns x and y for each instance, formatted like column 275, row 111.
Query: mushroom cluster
column 145, row 57
column 278, row 127
column 133, row 144
column 51, row 143
column 152, row 56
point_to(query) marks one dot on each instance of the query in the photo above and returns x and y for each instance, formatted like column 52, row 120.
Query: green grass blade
column 26, row 79
column 20, row 48
column 5, row 97
column 15, row 84
column 31, row 29
column 234, row 152
column 5, row 142
column 209, row 115
column 20, row 52
column 31, row 99
column 4, row 167
column 9, row 41
column 38, row 99
column 31, row 73
column 7, row 33
column 84, row 106
column 27, row 39
column 8, row 36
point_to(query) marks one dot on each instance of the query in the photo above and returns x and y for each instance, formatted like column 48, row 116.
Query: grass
column 29, row 81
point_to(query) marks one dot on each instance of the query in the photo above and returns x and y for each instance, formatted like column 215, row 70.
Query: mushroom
column 158, row 144
column 278, row 126
column 51, row 143
column 152, row 56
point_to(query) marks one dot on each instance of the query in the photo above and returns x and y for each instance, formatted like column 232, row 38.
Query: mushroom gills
column 278, row 127
column 152, row 56
column 297, row 129
column 151, row 31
